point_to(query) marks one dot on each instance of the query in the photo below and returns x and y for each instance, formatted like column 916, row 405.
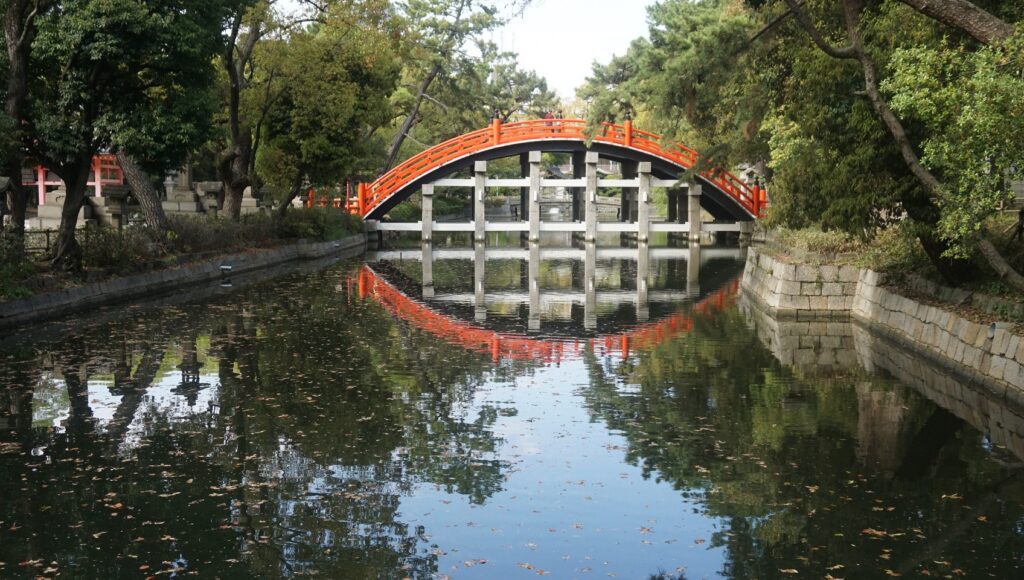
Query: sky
column 560, row 39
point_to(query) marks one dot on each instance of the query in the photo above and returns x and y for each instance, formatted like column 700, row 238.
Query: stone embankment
column 991, row 353
column 83, row 299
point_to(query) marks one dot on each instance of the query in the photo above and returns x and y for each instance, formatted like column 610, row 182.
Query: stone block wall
column 992, row 354
column 795, row 289
column 991, row 351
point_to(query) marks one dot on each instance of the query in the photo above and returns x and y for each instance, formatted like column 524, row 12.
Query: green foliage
column 780, row 103
column 970, row 105
column 471, row 80
column 333, row 82
column 124, row 72
column 200, row 234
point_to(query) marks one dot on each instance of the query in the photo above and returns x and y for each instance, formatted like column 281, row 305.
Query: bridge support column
column 427, row 220
column 428, row 269
column 590, row 284
column 524, row 192
column 643, row 209
column 628, row 193
column 479, row 268
column 673, row 214
column 693, row 196
column 681, row 205
column 533, row 324
column 591, row 196
column 578, row 172
column 479, row 208
column 643, row 312
column 693, row 271
column 534, row 196
column 746, row 233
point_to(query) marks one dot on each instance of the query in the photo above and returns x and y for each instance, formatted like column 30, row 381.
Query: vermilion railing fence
column 370, row 196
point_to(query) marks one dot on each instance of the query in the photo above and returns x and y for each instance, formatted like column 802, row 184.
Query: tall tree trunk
column 67, row 253
column 966, row 16
column 142, row 187
column 410, row 119
column 292, row 193
column 18, row 31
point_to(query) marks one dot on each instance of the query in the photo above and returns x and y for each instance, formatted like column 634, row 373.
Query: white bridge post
column 591, row 196
column 694, row 211
column 428, row 213
column 643, row 216
column 535, row 196
column 480, row 209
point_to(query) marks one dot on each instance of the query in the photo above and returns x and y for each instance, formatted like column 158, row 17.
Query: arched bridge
column 646, row 160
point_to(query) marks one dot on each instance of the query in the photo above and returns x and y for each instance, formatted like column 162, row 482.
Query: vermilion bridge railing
column 370, row 196
column 518, row 347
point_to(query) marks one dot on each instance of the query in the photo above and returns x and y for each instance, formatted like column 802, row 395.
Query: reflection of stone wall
column 792, row 289
column 986, row 411
column 812, row 346
column 884, row 430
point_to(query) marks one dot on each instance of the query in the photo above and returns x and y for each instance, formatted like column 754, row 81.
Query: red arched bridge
column 721, row 194
column 507, row 346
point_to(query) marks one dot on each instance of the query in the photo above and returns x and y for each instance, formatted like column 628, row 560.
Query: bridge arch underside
column 721, row 206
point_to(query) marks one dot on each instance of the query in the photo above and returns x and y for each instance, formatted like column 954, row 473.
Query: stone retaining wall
column 791, row 289
column 992, row 352
column 988, row 353
column 51, row 305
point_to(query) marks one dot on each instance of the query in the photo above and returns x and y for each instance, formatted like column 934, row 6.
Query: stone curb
column 51, row 305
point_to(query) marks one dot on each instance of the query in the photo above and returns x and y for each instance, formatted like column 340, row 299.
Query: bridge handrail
column 373, row 195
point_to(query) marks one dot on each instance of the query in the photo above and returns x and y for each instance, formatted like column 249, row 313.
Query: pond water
column 496, row 414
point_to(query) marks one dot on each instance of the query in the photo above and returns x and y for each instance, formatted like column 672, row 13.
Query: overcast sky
column 560, row 39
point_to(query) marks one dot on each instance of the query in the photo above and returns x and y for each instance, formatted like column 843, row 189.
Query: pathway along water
column 311, row 426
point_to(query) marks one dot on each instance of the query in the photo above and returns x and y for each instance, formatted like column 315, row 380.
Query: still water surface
column 351, row 423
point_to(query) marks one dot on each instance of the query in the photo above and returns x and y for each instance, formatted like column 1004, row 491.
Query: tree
column 336, row 79
column 235, row 164
column 440, row 29
column 122, row 73
column 748, row 88
column 20, row 17
column 971, row 17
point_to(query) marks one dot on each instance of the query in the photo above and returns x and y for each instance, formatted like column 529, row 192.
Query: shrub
column 118, row 250
column 15, row 267
column 816, row 240
column 321, row 224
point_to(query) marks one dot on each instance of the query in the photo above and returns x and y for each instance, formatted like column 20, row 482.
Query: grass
column 892, row 249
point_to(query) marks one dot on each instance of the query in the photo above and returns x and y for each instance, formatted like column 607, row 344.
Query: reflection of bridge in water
column 439, row 312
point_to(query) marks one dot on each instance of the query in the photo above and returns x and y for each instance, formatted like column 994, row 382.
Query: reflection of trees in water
column 327, row 413
column 798, row 467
